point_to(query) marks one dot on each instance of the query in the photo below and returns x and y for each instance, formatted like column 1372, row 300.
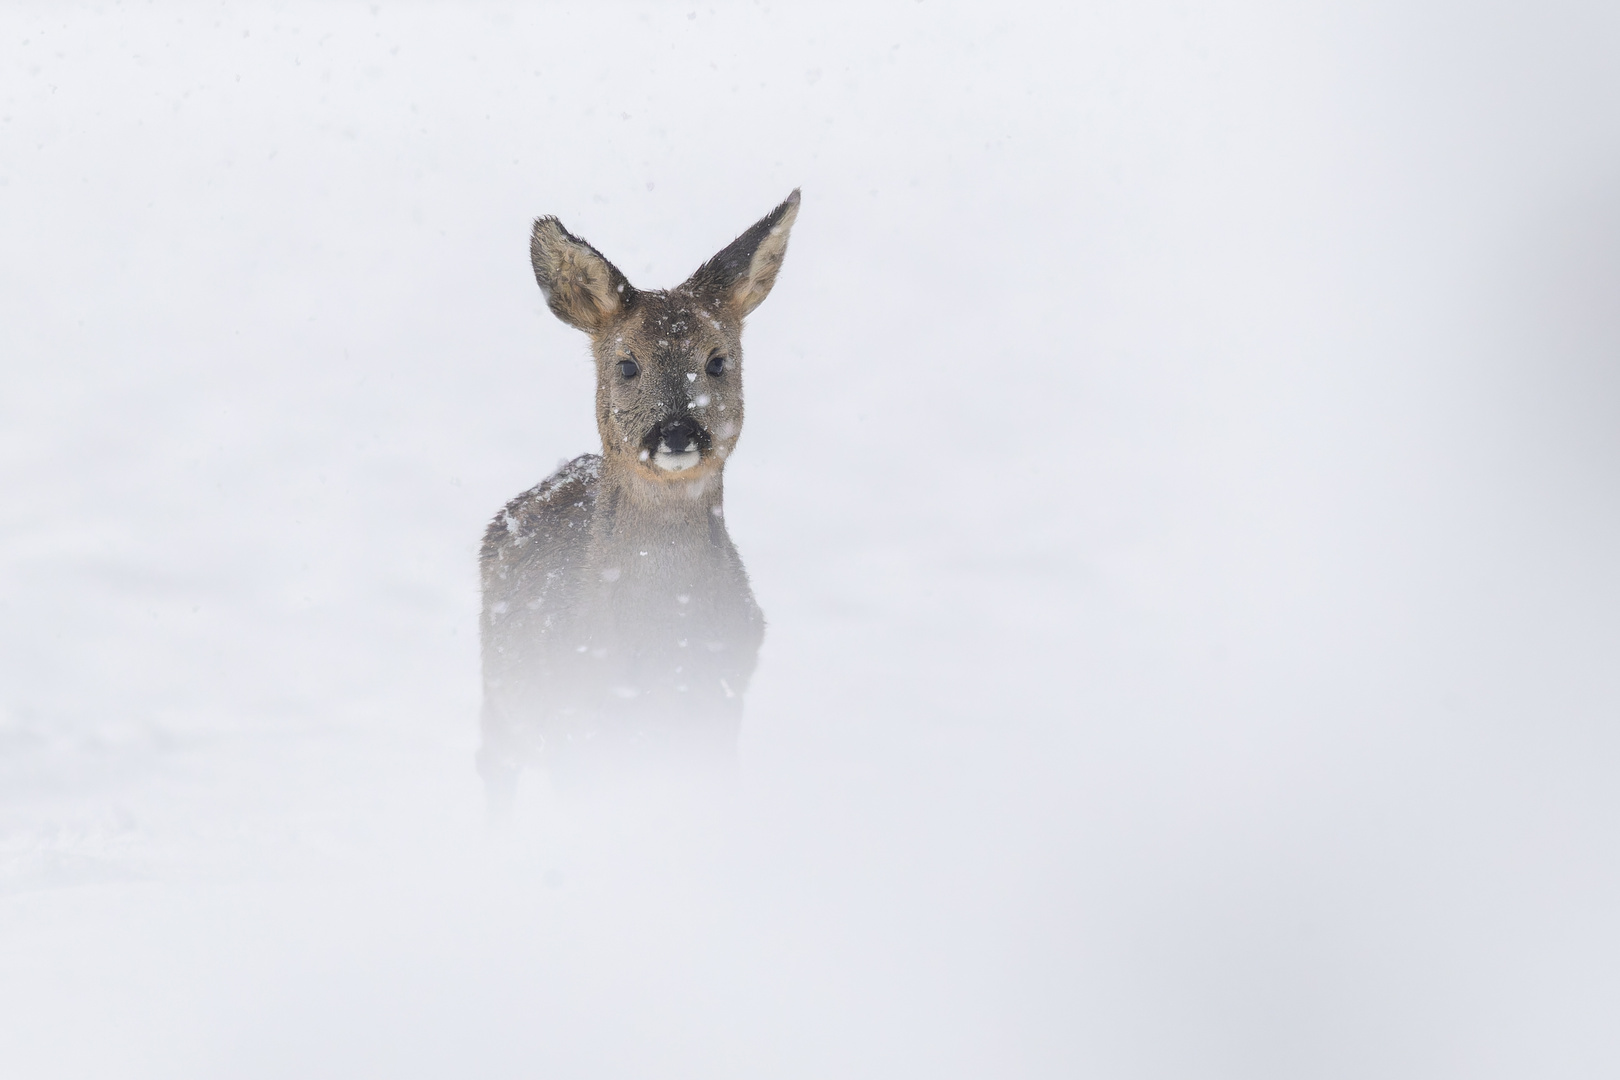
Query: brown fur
column 618, row 620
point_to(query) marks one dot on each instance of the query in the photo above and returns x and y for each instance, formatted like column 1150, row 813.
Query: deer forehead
column 671, row 330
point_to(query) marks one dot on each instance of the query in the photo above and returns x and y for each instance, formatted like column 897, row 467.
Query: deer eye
column 629, row 368
column 716, row 366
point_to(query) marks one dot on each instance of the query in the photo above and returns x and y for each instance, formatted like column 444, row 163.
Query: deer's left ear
column 742, row 274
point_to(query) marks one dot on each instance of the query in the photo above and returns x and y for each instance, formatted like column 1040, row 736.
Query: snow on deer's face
column 669, row 386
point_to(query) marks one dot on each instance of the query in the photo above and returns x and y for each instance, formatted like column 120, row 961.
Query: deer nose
column 679, row 435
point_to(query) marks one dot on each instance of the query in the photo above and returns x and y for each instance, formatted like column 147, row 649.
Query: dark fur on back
column 548, row 519
column 532, row 552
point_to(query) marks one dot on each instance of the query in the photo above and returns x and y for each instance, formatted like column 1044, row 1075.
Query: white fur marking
column 676, row 462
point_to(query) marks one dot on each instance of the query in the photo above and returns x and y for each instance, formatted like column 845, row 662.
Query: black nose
column 678, row 434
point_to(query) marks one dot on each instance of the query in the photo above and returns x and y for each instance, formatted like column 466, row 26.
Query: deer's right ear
column 581, row 287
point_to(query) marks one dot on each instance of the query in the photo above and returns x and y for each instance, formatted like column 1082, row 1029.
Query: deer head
column 669, row 402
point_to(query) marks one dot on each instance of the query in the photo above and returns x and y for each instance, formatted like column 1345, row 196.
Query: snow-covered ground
column 1180, row 476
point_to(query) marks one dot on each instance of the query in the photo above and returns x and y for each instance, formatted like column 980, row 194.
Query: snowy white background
column 1181, row 478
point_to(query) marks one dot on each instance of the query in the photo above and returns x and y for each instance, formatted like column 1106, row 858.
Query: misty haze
column 1180, row 502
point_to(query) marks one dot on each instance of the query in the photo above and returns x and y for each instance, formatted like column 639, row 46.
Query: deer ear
column 581, row 287
column 742, row 274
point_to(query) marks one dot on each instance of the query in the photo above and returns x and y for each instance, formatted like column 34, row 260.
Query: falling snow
column 1180, row 472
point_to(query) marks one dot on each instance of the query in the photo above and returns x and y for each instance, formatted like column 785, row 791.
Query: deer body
column 618, row 622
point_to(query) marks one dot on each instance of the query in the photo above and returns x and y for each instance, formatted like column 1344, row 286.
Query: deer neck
column 673, row 523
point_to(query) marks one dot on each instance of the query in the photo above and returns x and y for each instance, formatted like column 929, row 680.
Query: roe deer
column 618, row 623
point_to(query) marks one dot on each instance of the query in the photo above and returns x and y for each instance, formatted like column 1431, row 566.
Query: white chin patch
column 676, row 462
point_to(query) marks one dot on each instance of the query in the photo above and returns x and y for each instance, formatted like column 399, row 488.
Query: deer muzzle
column 677, row 445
